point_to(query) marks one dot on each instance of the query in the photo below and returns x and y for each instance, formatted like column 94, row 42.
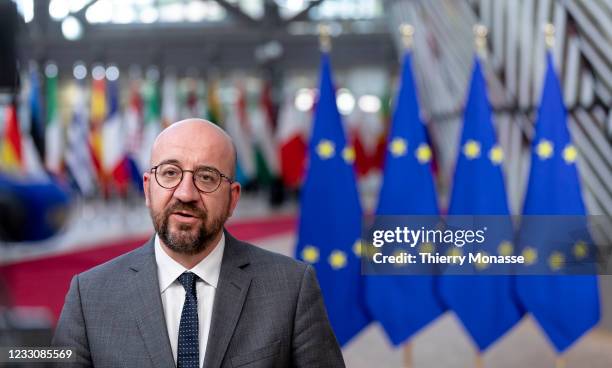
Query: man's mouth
column 184, row 214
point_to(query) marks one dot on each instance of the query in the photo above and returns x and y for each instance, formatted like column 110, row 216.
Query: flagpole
column 480, row 46
column 549, row 36
column 407, row 355
column 549, row 41
column 480, row 40
column 325, row 38
column 407, row 33
column 560, row 362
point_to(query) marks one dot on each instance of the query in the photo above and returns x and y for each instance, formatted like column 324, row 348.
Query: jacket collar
column 233, row 285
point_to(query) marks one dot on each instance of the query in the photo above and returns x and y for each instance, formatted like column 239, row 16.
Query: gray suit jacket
column 268, row 312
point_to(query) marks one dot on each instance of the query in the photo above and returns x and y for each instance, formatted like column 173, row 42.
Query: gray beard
column 183, row 241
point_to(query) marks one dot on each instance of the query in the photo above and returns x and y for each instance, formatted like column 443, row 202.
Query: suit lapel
column 230, row 296
column 147, row 308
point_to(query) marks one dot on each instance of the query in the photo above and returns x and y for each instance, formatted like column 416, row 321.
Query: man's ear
column 235, row 190
column 146, row 182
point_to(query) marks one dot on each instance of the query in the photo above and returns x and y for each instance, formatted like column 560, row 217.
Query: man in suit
column 194, row 296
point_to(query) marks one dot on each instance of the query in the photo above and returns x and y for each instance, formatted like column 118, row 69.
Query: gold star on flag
column 357, row 248
column 496, row 155
column 326, row 149
column 348, row 154
column 337, row 259
column 471, row 149
column 556, row 260
column 482, row 265
column 398, row 147
column 530, row 255
column 544, row 149
column 569, row 154
column 505, row 248
column 310, row 254
column 581, row 250
column 423, row 153
column 426, row 248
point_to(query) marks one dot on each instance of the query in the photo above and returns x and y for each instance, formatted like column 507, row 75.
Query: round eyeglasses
column 206, row 179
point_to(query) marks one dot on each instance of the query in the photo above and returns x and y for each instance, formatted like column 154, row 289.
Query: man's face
column 187, row 220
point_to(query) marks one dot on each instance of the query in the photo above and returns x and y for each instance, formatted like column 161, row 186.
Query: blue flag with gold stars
column 565, row 306
column 330, row 216
column 403, row 304
column 483, row 303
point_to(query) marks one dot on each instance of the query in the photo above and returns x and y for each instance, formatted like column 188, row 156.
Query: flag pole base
column 479, row 361
column 407, row 355
column 560, row 362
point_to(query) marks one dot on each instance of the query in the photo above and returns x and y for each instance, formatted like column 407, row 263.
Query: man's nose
column 186, row 190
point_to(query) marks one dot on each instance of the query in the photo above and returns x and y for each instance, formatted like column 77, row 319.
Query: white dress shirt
column 173, row 293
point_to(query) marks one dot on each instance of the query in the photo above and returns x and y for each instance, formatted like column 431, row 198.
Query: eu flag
column 330, row 218
column 565, row 306
column 404, row 304
column 484, row 303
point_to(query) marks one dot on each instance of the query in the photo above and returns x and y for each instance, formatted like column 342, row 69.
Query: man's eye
column 205, row 177
column 170, row 173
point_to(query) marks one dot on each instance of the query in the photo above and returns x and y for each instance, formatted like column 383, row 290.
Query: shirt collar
column 168, row 270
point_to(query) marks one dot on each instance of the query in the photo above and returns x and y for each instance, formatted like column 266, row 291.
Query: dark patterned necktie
column 188, row 345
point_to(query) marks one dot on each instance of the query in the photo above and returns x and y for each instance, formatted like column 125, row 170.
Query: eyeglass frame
column 209, row 168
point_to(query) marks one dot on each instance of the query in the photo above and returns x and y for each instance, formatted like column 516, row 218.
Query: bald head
column 197, row 139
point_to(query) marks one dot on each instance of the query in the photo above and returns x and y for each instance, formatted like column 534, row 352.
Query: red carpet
column 44, row 282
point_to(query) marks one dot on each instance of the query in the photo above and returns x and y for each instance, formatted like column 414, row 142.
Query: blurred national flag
column 238, row 128
column 194, row 99
column 11, row 158
column 367, row 130
column 169, row 109
column 133, row 127
column 133, row 119
column 152, row 122
column 54, row 130
column 566, row 306
column 261, row 126
column 37, row 124
column 330, row 219
column 97, row 115
column 404, row 304
column 79, row 162
column 215, row 114
column 484, row 304
column 291, row 135
column 114, row 143
column 380, row 152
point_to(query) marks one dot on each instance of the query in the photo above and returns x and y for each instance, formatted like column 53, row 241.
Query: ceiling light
column 59, row 9
column 79, row 71
column 98, row 72
column 304, row 99
column 369, row 103
column 51, row 70
column 112, row 73
column 100, row 12
column 72, row 28
column 149, row 14
column 345, row 101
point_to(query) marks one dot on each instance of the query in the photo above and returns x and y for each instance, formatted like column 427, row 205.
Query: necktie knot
column 188, row 280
